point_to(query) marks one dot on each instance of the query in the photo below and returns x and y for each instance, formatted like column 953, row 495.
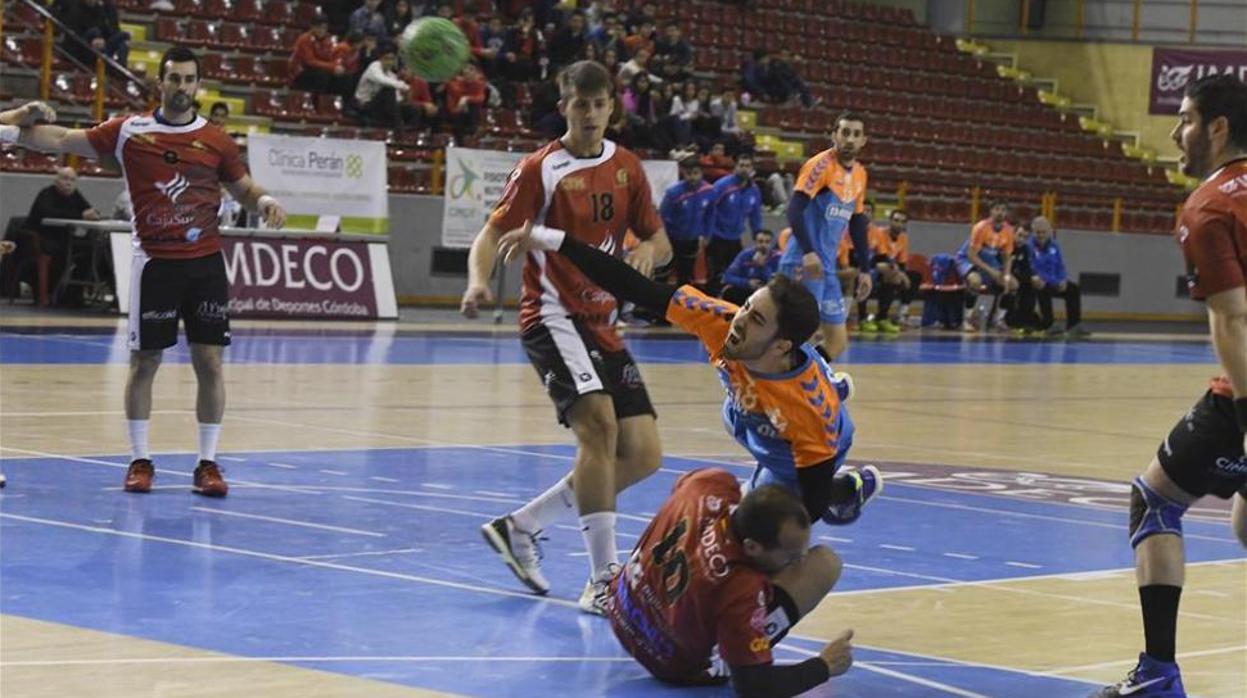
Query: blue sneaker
column 843, row 384
column 868, row 482
column 1148, row 679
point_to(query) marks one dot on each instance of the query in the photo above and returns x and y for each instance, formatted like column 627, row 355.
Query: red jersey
column 1212, row 231
column 688, row 588
column 596, row 201
column 174, row 176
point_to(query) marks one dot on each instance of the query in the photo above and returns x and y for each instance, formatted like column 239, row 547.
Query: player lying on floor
column 784, row 404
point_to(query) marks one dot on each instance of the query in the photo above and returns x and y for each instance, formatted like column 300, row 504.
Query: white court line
column 1024, row 565
column 909, row 678
column 621, row 534
column 1042, row 517
column 289, row 522
column 338, row 556
column 961, row 556
column 334, row 472
column 236, row 460
column 436, row 486
column 420, row 507
column 296, row 561
column 902, row 548
column 378, row 478
column 249, row 660
column 417, row 493
column 285, row 466
column 834, row 539
column 1127, row 662
column 488, row 493
column 96, row 461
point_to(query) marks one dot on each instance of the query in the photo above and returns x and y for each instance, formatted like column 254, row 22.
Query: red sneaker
column 139, row 476
column 208, row 480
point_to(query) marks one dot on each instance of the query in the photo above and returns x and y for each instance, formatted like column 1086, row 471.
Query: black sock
column 843, row 489
column 1160, row 619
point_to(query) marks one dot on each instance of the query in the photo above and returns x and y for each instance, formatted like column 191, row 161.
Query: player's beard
column 180, row 103
column 1197, row 158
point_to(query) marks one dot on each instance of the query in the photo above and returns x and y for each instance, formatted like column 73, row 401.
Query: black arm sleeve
column 779, row 681
column 616, row 277
column 796, row 221
column 815, row 484
column 859, row 232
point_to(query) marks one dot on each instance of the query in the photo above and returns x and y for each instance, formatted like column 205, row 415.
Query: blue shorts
column 965, row 269
column 785, row 476
column 832, row 309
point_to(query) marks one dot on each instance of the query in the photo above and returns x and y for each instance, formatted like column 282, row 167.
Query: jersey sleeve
column 702, row 316
column 103, row 137
column 521, row 199
column 1007, row 242
column 231, row 168
column 1210, row 249
column 810, row 177
column 741, row 624
column 977, row 237
column 645, row 221
column 860, row 204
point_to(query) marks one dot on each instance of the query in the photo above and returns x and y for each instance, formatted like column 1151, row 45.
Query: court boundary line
column 1127, row 662
column 289, row 522
column 909, row 678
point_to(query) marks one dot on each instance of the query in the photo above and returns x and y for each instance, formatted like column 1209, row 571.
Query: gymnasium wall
column 1115, row 77
column 1148, row 265
column 918, row 7
column 1218, row 22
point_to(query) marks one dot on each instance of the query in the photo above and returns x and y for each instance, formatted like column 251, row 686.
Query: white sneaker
column 596, row 596
column 3, row 481
column 521, row 551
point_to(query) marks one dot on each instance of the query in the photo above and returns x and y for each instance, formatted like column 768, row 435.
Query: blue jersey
column 731, row 204
column 683, row 210
column 835, row 195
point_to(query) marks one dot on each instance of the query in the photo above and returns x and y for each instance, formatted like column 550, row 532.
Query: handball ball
column 433, row 48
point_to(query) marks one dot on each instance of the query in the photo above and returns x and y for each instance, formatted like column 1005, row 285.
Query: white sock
column 599, row 531
column 138, row 438
column 1000, row 315
column 548, row 507
column 208, row 435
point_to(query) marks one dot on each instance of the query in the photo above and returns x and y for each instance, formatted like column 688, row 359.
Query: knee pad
column 1152, row 513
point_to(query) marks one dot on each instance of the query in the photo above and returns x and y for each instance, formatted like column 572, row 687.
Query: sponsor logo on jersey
column 159, row 315
column 759, row 645
column 175, row 187
column 1233, row 185
column 621, row 178
column 1235, row 466
column 572, row 183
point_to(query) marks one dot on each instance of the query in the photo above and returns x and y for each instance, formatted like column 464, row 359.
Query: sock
column 138, row 438
column 843, row 489
column 1160, row 619
column 548, row 507
column 208, row 435
column 599, row 531
column 1000, row 315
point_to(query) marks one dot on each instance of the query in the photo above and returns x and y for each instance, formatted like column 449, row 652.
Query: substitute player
column 588, row 184
column 174, row 163
column 827, row 204
column 985, row 261
column 716, row 581
column 1204, row 454
column 783, row 403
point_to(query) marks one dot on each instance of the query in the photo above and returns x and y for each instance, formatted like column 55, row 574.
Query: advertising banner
column 324, row 177
column 1174, row 68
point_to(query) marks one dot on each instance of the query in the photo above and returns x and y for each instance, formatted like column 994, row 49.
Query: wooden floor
column 1089, row 421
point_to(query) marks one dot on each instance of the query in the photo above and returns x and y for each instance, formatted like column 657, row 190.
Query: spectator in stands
column 734, row 201
column 218, row 114
column 381, row 96
column 611, row 36
column 685, row 110
column 1051, row 279
column 755, row 77
column 312, row 64
column 786, row 80
column 641, row 107
column 368, row 19
column 683, row 212
column 48, row 244
column 468, row 26
column 424, row 108
column 639, row 63
column 524, row 55
column 751, row 269
column 347, row 53
column 889, row 250
column 610, row 61
column 97, row 23
column 985, row 261
column 716, row 164
column 494, row 40
column 596, row 12
column 647, row 12
column 642, row 38
column 724, row 109
column 674, row 53
column 398, row 16
column 465, row 97
column 569, row 42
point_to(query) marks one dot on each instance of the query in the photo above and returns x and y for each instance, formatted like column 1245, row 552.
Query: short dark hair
column 741, row 155
column 1222, row 95
column 870, row 203
column 690, row 162
column 386, row 48
column 797, row 309
column 850, row 115
column 178, row 54
column 763, row 231
column 585, row 77
column 220, row 105
column 763, row 512
column 998, row 201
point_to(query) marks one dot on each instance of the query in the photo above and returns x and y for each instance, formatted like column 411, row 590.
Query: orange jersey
column 786, row 420
column 688, row 587
column 596, row 201
column 174, row 176
column 1212, row 231
column 882, row 243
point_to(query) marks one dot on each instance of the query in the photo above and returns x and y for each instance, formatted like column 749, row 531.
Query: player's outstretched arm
column 782, row 681
column 18, row 127
column 256, row 198
column 611, row 274
column 481, row 259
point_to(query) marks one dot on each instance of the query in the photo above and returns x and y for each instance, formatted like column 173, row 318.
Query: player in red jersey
column 585, row 183
column 1204, row 453
column 716, row 581
column 174, row 163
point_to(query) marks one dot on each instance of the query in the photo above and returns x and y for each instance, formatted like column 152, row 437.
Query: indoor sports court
column 347, row 560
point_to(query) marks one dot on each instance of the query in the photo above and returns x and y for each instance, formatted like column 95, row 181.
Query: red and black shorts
column 163, row 290
column 571, row 363
column 1203, row 454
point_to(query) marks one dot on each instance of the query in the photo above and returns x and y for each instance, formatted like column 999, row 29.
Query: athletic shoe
column 868, row 326
column 868, row 482
column 1148, row 679
column 596, row 596
column 844, row 386
column 969, row 326
column 1077, row 332
column 140, row 475
column 208, row 480
column 3, row 481
column 520, row 550
column 888, row 326
column 1001, row 326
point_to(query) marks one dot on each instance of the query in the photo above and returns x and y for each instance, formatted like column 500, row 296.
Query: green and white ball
column 434, row 48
